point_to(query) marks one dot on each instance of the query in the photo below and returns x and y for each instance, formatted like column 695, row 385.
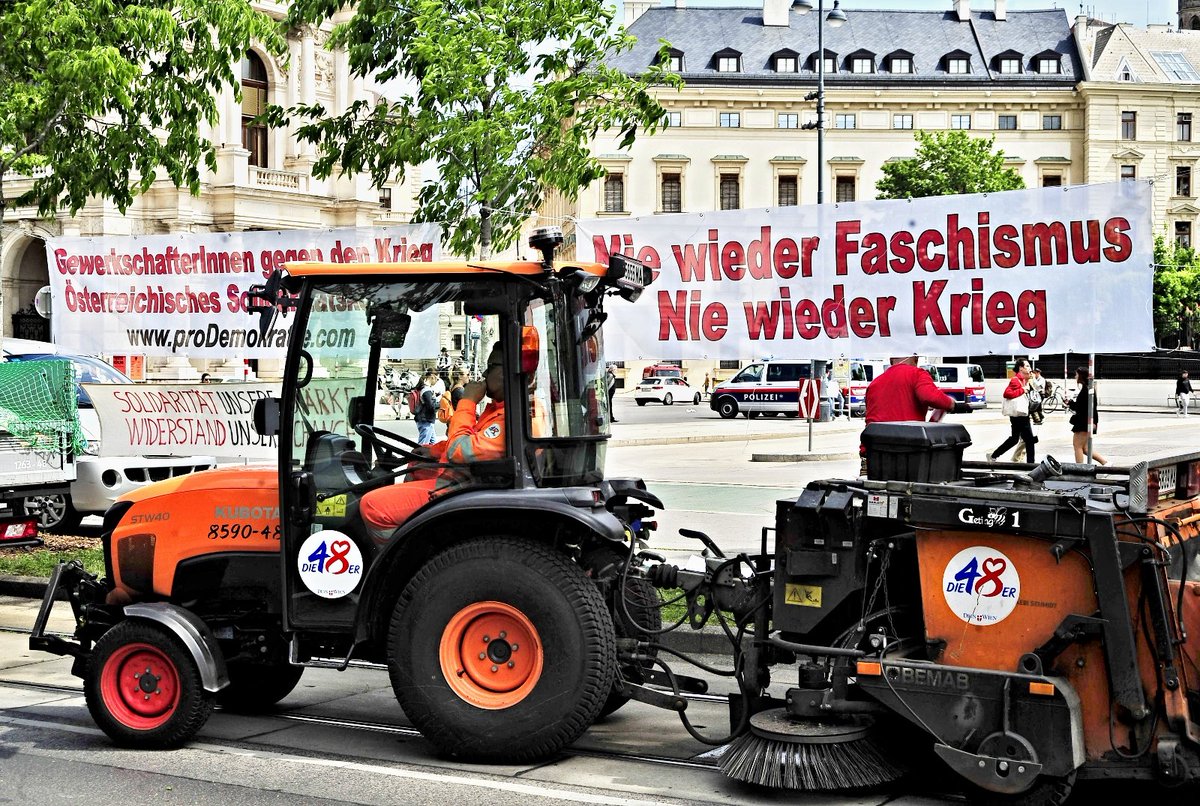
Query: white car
column 665, row 391
column 99, row 480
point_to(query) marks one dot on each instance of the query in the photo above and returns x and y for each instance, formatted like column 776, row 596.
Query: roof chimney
column 961, row 7
column 1001, row 10
column 777, row 12
column 636, row 8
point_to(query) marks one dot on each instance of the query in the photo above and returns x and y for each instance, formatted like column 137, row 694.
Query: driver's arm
column 472, row 438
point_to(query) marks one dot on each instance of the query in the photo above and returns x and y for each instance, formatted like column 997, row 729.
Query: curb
column 800, row 457
column 27, row 587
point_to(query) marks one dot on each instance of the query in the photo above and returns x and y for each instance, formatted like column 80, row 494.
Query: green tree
column 1176, row 292
column 502, row 97
column 947, row 163
column 105, row 96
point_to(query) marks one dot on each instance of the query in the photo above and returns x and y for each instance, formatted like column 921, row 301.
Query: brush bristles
column 817, row 767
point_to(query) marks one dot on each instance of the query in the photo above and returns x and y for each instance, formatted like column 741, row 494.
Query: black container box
column 915, row 451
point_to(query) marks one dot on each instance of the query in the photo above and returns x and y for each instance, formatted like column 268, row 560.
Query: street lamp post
column 836, row 18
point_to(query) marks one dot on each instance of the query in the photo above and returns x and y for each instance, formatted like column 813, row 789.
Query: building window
column 1176, row 66
column 788, row 120
column 1007, row 122
column 843, row 189
column 385, row 198
column 830, row 64
column 900, row 64
column 1048, row 65
column 1128, row 172
column 785, row 64
column 958, row 65
column 731, row 192
column 614, row 193
column 1183, row 127
column 254, row 103
column 1183, row 180
column 845, row 121
column 728, row 64
column 1129, row 125
column 902, row 121
column 673, row 120
column 788, row 191
column 1052, row 181
column 731, row 120
column 960, row 121
column 1051, row 122
column 1183, row 234
column 1010, row 65
column 675, row 62
column 672, row 193
column 862, row 64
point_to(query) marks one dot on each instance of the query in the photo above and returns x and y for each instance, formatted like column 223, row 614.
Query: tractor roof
column 440, row 267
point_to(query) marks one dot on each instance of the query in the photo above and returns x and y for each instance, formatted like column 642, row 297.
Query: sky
column 1138, row 12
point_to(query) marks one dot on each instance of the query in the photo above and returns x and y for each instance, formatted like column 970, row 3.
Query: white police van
column 767, row 387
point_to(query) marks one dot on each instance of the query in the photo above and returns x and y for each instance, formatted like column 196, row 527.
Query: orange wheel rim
column 491, row 655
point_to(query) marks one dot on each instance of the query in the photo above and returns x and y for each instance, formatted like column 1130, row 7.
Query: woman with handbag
column 1016, row 408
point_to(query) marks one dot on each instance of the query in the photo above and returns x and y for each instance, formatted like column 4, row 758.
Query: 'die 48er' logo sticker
column 981, row 585
column 330, row 564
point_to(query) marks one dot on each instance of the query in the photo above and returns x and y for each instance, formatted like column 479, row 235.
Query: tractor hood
column 240, row 477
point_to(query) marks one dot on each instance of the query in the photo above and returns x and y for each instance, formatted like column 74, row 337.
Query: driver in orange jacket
column 470, row 438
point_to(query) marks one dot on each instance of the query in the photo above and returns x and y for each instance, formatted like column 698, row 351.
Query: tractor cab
column 345, row 456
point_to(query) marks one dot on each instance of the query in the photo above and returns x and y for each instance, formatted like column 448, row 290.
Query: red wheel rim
column 139, row 685
column 491, row 655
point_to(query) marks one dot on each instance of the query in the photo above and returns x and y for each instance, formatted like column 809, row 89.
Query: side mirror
column 266, row 416
column 360, row 411
column 390, row 329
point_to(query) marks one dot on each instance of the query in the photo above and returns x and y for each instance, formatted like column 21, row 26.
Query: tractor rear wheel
column 256, row 687
column 501, row 650
column 143, row 688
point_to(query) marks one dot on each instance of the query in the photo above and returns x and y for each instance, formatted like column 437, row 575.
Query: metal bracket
column 1001, row 775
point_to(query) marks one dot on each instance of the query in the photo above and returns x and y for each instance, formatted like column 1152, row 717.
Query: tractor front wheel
column 143, row 688
column 501, row 650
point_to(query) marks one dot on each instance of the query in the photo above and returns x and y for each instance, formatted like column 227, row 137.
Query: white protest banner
column 1025, row 271
column 214, row 419
column 185, row 294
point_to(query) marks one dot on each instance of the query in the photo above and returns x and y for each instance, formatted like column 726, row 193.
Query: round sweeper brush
column 783, row 752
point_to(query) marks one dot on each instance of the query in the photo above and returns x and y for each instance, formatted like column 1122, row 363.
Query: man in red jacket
column 906, row 392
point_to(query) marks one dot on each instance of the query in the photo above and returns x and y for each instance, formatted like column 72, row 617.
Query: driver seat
column 384, row 509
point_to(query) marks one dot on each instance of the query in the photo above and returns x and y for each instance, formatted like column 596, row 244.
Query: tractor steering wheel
column 380, row 438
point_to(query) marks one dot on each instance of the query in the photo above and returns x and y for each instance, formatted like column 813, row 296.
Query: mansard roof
column 928, row 35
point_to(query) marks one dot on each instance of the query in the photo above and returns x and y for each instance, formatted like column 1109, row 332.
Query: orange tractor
column 1020, row 626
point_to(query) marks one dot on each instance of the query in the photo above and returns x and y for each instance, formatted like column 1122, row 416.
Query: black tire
column 727, row 407
column 640, row 617
column 56, row 513
column 642, row 402
column 256, row 687
column 696, row 399
column 668, row 399
column 163, row 712
column 1046, row 791
column 456, row 599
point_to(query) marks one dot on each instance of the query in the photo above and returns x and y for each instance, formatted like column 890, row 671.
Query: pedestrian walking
column 427, row 406
column 610, row 378
column 1183, row 394
column 1016, row 408
column 1079, row 419
column 707, row 383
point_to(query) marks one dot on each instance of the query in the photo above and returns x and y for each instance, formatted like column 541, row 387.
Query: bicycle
column 1055, row 401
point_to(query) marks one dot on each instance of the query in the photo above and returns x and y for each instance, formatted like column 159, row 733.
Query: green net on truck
column 38, row 404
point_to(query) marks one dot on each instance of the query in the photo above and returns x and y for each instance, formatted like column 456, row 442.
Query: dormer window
column 1008, row 64
column 728, row 61
column 1124, row 72
column 900, row 64
column 675, row 60
column 1049, row 65
column 957, row 63
column 786, row 61
column 862, row 62
column 830, row 62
